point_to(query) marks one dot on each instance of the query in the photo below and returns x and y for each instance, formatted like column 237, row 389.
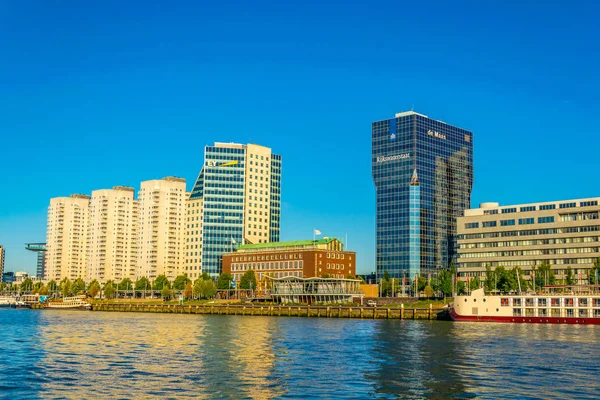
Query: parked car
column 371, row 303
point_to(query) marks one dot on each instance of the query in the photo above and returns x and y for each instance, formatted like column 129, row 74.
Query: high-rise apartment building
column 161, row 231
column 1, row 262
column 423, row 174
column 112, row 235
column 236, row 200
column 66, row 237
column 561, row 233
column 40, row 250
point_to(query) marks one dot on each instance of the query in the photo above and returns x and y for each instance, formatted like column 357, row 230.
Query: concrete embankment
column 282, row 311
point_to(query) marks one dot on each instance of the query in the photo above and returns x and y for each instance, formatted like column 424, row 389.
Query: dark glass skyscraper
column 423, row 174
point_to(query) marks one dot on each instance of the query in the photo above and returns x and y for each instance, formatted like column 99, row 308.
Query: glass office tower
column 423, row 174
column 239, row 193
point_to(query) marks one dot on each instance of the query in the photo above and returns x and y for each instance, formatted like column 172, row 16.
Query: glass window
column 507, row 222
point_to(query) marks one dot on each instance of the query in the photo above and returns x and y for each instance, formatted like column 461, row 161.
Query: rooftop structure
column 40, row 249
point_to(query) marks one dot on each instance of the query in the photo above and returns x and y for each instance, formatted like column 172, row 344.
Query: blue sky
column 98, row 94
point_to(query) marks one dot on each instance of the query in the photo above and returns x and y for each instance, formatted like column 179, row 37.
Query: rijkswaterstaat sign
column 393, row 158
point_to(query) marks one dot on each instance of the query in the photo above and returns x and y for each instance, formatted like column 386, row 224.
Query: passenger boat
column 554, row 305
column 20, row 304
column 70, row 303
column 7, row 301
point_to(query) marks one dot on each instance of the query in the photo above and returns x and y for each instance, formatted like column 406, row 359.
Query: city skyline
column 84, row 84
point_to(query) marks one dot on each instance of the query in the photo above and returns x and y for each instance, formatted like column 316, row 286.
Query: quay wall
column 282, row 311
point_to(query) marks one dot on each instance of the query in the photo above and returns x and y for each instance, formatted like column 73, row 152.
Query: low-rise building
column 301, row 259
column 561, row 234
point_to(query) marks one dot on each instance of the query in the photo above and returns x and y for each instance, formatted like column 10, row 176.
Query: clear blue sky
column 96, row 94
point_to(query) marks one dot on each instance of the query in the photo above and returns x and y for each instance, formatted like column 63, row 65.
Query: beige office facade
column 561, row 233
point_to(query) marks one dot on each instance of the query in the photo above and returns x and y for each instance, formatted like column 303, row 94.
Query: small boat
column 20, row 304
column 7, row 301
column 554, row 305
column 69, row 303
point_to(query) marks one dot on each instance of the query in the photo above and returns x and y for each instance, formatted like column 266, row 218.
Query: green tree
column 248, row 280
column 474, row 283
column 125, row 284
column 461, row 287
column 65, row 287
column 208, row 288
column 224, row 280
column 490, row 279
column 143, row 284
column 386, row 285
column 165, row 293
column 44, row 291
column 422, row 283
column 570, row 277
column 445, row 282
column 205, row 276
column 544, row 275
column 26, row 285
column 52, row 285
column 109, row 290
column 594, row 271
column 78, row 286
column 38, row 285
column 91, row 283
column 180, row 282
column 94, row 289
column 188, row 291
column 197, row 289
column 428, row 291
column 160, row 282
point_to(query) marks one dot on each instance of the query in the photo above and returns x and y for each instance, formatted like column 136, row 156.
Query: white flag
column 317, row 232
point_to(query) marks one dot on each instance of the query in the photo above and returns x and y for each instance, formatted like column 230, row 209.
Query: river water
column 78, row 354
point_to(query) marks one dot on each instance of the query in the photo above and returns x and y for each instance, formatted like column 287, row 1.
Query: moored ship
column 70, row 303
column 555, row 305
column 7, row 301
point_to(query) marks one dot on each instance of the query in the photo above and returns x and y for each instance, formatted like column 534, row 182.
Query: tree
column 188, row 291
column 165, row 292
column 77, row 286
column 386, row 285
column 94, row 289
column 125, row 284
column 248, row 280
column 223, row 281
column 26, row 285
column 65, row 287
column 143, row 284
column 422, row 283
column 595, row 271
column 92, row 282
column 160, row 282
column 569, row 278
column 461, row 287
column 52, row 285
column 208, row 288
column 490, row 279
column 474, row 283
column 44, row 291
column 180, row 282
column 109, row 290
column 38, row 285
column 445, row 282
column 428, row 291
column 205, row 276
column 197, row 289
column 544, row 275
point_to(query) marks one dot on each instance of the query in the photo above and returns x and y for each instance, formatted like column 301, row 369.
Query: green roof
column 295, row 243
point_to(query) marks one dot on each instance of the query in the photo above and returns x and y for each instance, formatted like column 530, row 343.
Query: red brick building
column 302, row 259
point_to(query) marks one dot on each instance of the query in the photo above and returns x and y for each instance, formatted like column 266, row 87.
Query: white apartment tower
column 161, row 229
column 66, row 240
column 112, row 235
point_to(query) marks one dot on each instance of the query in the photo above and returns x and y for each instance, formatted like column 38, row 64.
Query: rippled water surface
column 76, row 354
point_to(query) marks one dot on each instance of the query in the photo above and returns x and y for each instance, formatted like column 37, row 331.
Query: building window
column 489, row 224
column 568, row 205
column 509, row 210
column 490, row 212
column 545, row 220
column 527, row 208
column 526, row 221
column 507, row 222
column 588, row 203
column 472, row 225
column 547, row 207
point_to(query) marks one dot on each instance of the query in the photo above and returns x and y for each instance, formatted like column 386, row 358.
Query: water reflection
column 63, row 354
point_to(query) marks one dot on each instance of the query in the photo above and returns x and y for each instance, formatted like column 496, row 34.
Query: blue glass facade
column 423, row 174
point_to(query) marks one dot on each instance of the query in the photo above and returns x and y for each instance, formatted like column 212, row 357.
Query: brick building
column 302, row 259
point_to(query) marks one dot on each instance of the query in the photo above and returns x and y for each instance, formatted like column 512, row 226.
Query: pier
column 282, row 311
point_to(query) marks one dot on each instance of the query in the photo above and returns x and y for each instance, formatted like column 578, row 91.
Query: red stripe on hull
column 526, row 320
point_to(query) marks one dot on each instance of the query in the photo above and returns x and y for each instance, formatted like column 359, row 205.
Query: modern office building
column 161, row 231
column 8, row 278
column 112, row 235
column 301, row 259
column 423, row 174
column 1, row 263
column 235, row 200
column 40, row 250
column 66, row 237
column 561, row 233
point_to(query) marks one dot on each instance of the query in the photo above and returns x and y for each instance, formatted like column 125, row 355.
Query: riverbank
column 429, row 313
